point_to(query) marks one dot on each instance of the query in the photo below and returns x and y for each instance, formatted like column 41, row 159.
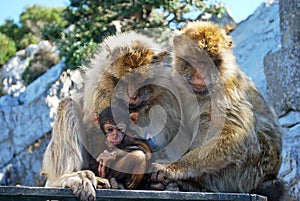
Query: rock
column 11, row 76
column 254, row 38
column 290, row 169
column 24, row 169
column 23, row 123
column 291, row 119
column 25, row 119
column 282, row 70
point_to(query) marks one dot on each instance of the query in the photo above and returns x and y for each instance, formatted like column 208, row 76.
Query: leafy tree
column 7, row 48
column 92, row 20
column 36, row 17
column 17, row 34
column 35, row 22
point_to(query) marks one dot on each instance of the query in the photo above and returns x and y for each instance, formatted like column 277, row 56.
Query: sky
column 240, row 9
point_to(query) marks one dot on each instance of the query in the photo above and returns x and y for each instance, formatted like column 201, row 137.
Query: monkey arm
column 144, row 147
column 232, row 147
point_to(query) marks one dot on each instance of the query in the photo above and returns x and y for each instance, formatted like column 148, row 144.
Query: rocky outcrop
column 274, row 67
column 254, row 38
column 24, row 120
column 282, row 69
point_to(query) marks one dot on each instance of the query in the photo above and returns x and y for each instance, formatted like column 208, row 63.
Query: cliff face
column 27, row 113
column 262, row 53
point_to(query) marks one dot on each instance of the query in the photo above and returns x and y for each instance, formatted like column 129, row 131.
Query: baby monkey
column 125, row 161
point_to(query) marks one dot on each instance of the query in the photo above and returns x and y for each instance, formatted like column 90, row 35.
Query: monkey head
column 134, row 63
column 199, row 50
column 114, row 128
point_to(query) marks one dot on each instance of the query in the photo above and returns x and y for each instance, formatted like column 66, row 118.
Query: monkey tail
column 274, row 189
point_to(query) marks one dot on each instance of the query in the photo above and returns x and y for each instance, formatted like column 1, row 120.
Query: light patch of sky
column 12, row 9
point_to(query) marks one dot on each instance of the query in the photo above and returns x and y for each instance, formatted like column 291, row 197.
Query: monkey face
column 198, row 52
column 114, row 133
column 133, row 71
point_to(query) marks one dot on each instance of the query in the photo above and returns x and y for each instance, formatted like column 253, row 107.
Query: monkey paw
column 106, row 156
column 104, row 159
column 160, row 173
column 102, row 183
column 83, row 184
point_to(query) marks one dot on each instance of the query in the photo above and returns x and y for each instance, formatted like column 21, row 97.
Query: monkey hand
column 103, row 159
column 102, row 183
column 83, row 184
column 162, row 178
column 160, row 173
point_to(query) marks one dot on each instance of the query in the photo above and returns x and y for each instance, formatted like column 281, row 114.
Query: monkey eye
column 121, row 127
column 110, row 130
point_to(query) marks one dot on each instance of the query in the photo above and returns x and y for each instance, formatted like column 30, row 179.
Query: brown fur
column 246, row 154
column 73, row 146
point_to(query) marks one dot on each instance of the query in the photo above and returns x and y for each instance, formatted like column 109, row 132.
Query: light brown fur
column 131, row 56
column 246, row 153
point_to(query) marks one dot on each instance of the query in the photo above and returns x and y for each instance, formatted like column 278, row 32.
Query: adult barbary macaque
column 245, row 155
column 125, row 67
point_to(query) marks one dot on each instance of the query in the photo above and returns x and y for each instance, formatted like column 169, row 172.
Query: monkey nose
column 132, row 90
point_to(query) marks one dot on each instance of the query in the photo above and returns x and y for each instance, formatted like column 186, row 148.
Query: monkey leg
column 133, row 166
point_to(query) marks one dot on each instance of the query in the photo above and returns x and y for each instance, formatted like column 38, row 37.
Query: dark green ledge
column 8, row 193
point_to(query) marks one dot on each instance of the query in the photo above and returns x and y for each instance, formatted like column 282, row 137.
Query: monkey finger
column 102, row 183
column 158, row 186
column 159, row 173
column 102, row 171
column 172, row 186
column 88, row 191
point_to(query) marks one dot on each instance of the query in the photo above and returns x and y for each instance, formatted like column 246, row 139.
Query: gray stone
column 282, row 70
column 24, row 169
column 291, row 119
column 289, row 22
column 254, row 38
column 27, row 122
column 290, row 169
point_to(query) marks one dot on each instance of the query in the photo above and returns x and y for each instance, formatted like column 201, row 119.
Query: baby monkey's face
column 114, row 133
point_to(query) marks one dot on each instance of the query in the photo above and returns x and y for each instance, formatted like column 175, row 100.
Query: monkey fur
column 246, row 155
column 130, row 57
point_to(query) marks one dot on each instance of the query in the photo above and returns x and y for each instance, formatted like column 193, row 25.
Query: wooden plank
column 9, row 193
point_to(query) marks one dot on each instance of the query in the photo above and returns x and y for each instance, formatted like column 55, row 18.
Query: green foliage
column 7, row 48
column 52, row 31
column 36, row 17
column 16, row 33
column 35, row 22
column 93, row 20
column 78, row 28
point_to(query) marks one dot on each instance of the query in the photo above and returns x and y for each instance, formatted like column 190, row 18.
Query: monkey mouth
column 134, row 100
column 200, row 89
column 139, row 106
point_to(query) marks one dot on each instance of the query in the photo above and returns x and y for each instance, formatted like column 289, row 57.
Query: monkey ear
column 159, row 56
column 94, row 119
column 134, row 117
